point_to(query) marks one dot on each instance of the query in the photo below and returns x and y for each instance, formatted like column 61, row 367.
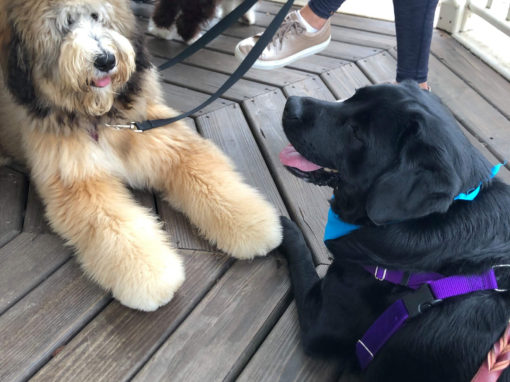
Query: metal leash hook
column 129, row 126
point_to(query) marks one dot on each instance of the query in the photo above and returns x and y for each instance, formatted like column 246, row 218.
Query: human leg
column 324, row 8
column 414, row 21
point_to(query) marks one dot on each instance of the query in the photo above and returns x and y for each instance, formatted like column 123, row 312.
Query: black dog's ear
column 423, row 182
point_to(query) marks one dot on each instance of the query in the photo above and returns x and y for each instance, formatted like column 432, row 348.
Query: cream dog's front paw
column 256, row 231
column 150, row 284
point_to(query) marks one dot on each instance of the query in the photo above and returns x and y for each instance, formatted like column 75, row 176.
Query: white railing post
column 453, row 15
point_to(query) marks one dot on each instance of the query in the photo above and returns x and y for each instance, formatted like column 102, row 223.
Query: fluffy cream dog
column 69, row 67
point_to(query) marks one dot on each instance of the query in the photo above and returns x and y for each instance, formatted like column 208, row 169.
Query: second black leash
column 234, row 77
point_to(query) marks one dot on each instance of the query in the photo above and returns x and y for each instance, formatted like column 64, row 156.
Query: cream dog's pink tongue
column 102, row 82
column 291, row 158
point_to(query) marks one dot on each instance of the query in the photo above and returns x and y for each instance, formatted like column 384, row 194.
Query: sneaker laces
column 288, row 25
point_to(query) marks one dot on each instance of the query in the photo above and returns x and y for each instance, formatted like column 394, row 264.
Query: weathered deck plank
column 229, row 130
column 281, row 357
column 379, row 68
column 25, row 262
column 183, row 234
column 182, row 99
column 312, row 87
column 205, row 81
column 473, row 71
column 13, row 187
column 362, row 38
column 307, row 202
column 45, row 319
column 344, row 80
column 35, row 220
column 224, row 63
column 114, row 345
column 219, row 336
column 471, row 109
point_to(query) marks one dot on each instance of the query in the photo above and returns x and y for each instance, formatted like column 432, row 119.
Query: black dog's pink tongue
column 291, row 158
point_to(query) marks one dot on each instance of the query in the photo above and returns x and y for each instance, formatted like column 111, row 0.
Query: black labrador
column 396, row 161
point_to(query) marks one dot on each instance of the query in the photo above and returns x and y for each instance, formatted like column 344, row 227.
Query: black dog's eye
column 94, row 16
column 356, row 133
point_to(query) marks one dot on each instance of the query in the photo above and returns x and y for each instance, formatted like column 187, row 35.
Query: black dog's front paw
column 292, row 237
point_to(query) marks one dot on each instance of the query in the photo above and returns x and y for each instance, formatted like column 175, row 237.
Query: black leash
column 204, row 40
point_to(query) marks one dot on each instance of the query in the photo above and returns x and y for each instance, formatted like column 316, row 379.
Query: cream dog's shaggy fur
column 59, row 86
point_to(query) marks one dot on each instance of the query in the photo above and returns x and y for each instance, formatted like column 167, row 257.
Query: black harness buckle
column 419, row 301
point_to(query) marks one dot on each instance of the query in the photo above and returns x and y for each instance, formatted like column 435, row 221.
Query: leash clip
column 128, row 126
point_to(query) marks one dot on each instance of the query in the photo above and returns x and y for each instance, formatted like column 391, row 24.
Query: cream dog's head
column 72, row 55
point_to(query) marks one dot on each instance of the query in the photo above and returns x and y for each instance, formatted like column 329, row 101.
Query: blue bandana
column 336, row 227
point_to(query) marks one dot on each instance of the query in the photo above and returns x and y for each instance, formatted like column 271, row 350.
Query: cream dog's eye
column 94, row 16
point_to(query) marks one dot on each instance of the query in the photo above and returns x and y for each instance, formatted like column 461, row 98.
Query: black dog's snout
column 293, row 108
column 105, row 62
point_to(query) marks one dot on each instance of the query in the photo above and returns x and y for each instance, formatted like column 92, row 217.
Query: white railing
column 454, row 16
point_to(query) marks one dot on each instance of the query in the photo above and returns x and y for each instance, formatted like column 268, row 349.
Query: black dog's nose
column 105, row 62
column 293, row 108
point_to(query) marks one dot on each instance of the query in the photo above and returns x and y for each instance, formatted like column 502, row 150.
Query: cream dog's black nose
column 105, row 62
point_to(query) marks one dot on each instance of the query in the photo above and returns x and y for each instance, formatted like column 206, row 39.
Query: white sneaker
column 291, row 42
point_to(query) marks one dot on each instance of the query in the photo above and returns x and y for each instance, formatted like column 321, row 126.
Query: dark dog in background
column 396, row 159
column 185, row 18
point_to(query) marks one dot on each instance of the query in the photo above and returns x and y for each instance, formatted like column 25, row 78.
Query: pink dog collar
column 497, row 360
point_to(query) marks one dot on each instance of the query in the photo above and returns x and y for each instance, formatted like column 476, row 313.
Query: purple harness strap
column 411, row 280
column 430, row 288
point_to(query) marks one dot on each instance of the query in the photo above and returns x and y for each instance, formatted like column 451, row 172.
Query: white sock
column 308, row 27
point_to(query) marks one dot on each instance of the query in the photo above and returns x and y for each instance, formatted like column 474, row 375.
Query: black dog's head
column 391, row 153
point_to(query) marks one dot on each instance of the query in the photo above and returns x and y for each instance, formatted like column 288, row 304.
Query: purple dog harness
column 429, row 288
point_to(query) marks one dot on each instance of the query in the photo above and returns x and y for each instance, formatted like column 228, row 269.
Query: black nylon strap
column 238, row 73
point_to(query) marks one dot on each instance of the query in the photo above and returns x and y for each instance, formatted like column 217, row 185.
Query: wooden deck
column 232, row 320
